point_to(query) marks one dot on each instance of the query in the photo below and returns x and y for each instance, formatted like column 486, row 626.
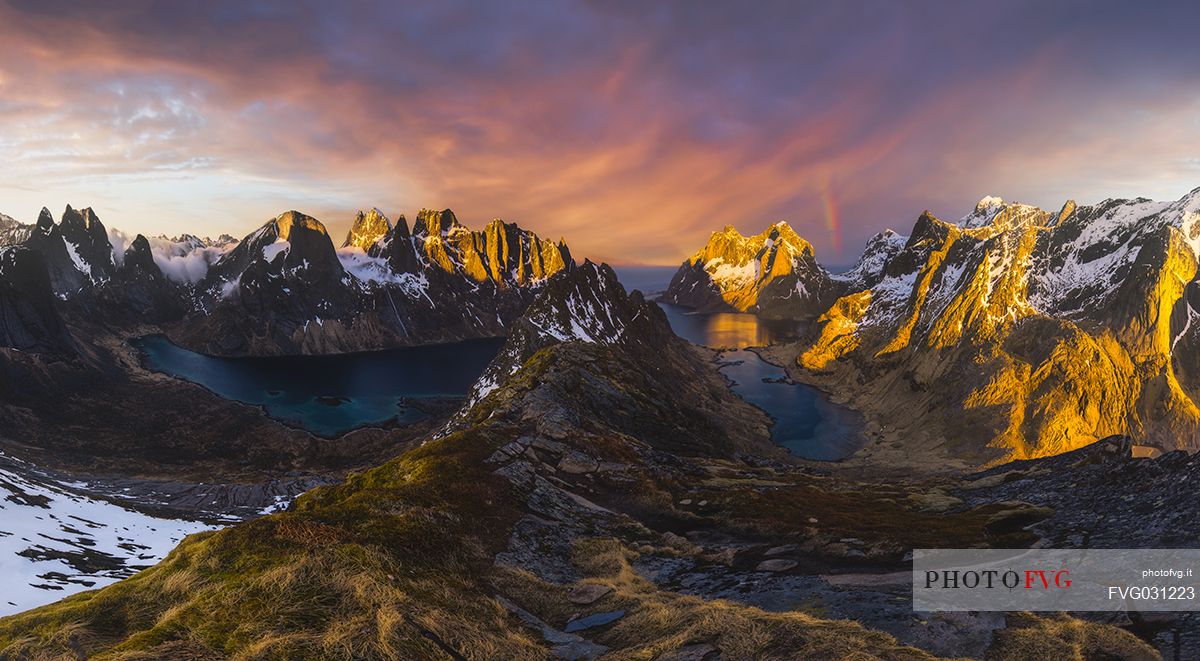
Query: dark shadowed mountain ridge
column 29, row 319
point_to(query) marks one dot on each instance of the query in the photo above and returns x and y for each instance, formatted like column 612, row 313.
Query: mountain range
column 1013, row 333
column 286, row 289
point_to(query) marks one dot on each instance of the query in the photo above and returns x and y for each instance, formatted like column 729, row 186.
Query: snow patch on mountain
column 364, row 267
column 1089, row 268
column 80, row 263
column 270, row 251
column 728, row 275
column 888, row 299
column 879, row 251
column 375, row 271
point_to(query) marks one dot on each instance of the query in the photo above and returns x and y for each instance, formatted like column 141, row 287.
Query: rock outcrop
column 586, row 312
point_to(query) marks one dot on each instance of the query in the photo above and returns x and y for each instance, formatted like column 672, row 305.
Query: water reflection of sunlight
column 730, row 329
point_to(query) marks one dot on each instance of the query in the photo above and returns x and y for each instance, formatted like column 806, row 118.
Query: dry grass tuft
column 1030, row 636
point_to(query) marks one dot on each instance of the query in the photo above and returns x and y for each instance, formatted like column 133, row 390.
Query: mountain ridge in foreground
column 1016, row 332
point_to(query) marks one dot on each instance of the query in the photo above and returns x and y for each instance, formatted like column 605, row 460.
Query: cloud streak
column 631, row 130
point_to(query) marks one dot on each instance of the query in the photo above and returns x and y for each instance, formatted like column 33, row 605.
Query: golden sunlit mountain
column 1018, row 332
column 774, row 274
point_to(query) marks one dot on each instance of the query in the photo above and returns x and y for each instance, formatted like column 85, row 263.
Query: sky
column 632, row 129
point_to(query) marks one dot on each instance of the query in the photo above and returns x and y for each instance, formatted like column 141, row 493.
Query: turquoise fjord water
column 805, row 421
column 330, row 395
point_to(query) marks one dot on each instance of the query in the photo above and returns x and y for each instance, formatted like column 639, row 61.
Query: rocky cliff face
column 29, row 320
column 774, row 274
column 65, row 268
column 87, row 241
column 138, row 292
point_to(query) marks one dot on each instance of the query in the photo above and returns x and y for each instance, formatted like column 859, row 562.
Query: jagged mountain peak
column 77, row 250
column 929, row 230
column 994, row 213
column 734, row 271
column 139, row 257
column 731, row 246
column 401, row 226
column 498, row 224
column 587, row 303
column 988, row 202
column 730, row 234
column 880, row 251
column 1065, row 212
column 501, row 253
column 782, row 226
column 433, row 223
column 292, row 238
column 71, row 216
column 185, row 238
column 368, row 228
column 84, row 219
column 45, row 221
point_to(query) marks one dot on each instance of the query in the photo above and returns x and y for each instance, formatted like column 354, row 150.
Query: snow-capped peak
column 988, row 202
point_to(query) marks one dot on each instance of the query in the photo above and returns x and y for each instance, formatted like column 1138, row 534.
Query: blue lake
column 330, row 395
column 805, row 421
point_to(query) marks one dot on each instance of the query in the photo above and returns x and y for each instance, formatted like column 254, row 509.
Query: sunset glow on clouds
column 631, row 130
